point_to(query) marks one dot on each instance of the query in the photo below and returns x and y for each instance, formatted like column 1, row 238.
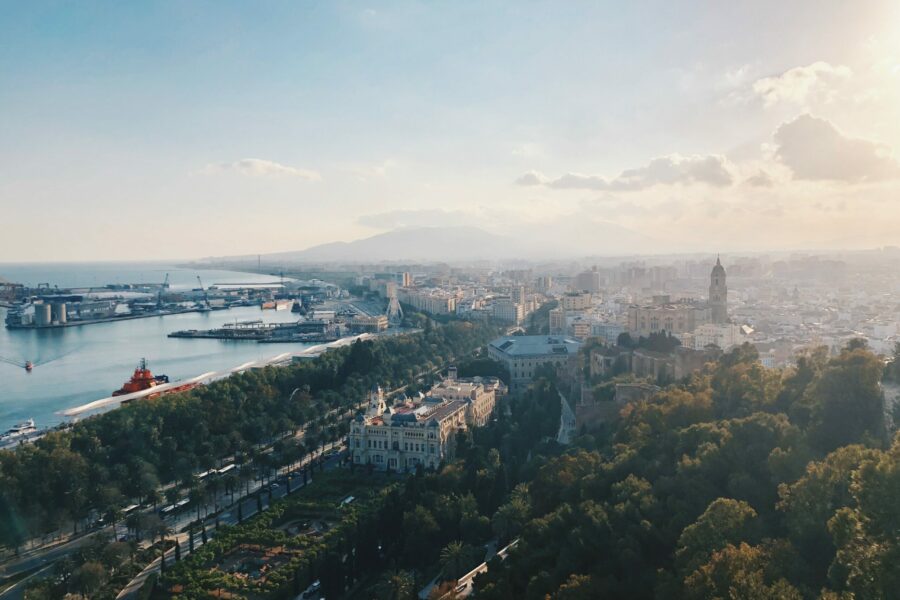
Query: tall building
column 587, row 281
column 557, row 321
column 576, row 301
column 718, row 294
column 506, row 310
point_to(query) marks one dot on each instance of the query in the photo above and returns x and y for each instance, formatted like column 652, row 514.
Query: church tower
column 718, row 294
column 377, row 405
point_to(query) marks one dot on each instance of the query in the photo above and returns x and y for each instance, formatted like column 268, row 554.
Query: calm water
column 89, row 362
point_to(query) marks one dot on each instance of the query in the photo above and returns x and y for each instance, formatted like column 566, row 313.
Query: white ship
column 18, row 433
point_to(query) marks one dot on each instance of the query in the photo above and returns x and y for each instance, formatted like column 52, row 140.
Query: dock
column 112, row 319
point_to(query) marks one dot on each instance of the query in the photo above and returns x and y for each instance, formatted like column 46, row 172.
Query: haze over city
column 184, row 130
column 385, row 300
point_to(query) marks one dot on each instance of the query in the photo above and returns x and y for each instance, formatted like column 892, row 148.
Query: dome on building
column 718, row 268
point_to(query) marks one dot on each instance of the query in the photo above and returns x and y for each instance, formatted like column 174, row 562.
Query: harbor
column 72, row 366
column 302, row 331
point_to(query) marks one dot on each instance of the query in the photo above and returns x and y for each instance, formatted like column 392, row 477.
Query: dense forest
column 737, row 482
column 101, row 464
column 741, row 482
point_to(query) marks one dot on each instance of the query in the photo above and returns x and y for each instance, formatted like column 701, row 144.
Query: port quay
column 205, row 378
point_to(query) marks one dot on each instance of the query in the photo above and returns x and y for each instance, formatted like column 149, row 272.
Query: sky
column 186, row 129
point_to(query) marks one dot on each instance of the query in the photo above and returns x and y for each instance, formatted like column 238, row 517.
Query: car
column 313, row 590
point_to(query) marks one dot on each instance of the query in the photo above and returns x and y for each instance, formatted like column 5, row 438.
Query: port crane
column 164, row 286
column 205, row 295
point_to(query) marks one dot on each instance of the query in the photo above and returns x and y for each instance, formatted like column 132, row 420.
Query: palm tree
column 395, row 585
column 113, row 515
column 162, row 531
column 197, row 498
column 455, row 559
column 213, row 487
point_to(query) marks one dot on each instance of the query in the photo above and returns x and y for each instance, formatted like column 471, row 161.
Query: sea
column 77, row 365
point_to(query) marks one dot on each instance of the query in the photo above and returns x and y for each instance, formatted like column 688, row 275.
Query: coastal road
column 17, row 590
column 248, row 507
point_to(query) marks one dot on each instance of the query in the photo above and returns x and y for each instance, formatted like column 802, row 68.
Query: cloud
column 814, row 149
column 257, row 167
column 799, row 84
column 532, row 178
column 760, row 179
column 395, row 219
column 712, row 169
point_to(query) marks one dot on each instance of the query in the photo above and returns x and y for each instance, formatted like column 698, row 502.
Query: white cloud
column 760, row 179
column 814, row 149
column 711, row 169
column 257, row 167
column 800, row 84
column 532, row 178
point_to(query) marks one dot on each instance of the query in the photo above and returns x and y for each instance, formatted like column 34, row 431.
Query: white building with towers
column 420, row 431
column 402, row 437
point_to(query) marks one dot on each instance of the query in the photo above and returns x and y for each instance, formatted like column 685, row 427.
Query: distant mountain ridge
column 467, row 243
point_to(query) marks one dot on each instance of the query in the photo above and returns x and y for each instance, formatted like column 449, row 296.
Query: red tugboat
column 143, row 379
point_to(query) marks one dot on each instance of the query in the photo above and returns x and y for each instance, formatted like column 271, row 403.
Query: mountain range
column 467, row 243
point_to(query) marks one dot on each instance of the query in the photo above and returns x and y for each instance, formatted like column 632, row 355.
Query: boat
column 18, row 433
column 19, row 430
column 29, row 365
column 144, row 379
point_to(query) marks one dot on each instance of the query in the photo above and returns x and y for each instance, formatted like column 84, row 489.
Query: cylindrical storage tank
column 42, row 315
column 58, row 313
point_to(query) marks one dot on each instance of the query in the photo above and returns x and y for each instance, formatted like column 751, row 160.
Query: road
column 248, row 507
column 17, row 590
column 47, row 555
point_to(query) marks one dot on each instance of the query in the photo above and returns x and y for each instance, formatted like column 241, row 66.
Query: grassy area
column 278, row 551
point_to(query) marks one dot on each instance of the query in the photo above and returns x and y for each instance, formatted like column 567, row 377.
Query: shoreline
column 91, row 408
column 107, row 320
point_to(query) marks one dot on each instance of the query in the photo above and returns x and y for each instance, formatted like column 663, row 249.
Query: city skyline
column 166, row 131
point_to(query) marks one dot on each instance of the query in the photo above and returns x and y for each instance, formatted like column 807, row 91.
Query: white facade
column 403, row 437
column 725, row 336
column 480, row 398
column 507, row 311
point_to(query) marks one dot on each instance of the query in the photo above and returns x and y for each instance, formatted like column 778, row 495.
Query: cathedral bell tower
column 718, row 294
